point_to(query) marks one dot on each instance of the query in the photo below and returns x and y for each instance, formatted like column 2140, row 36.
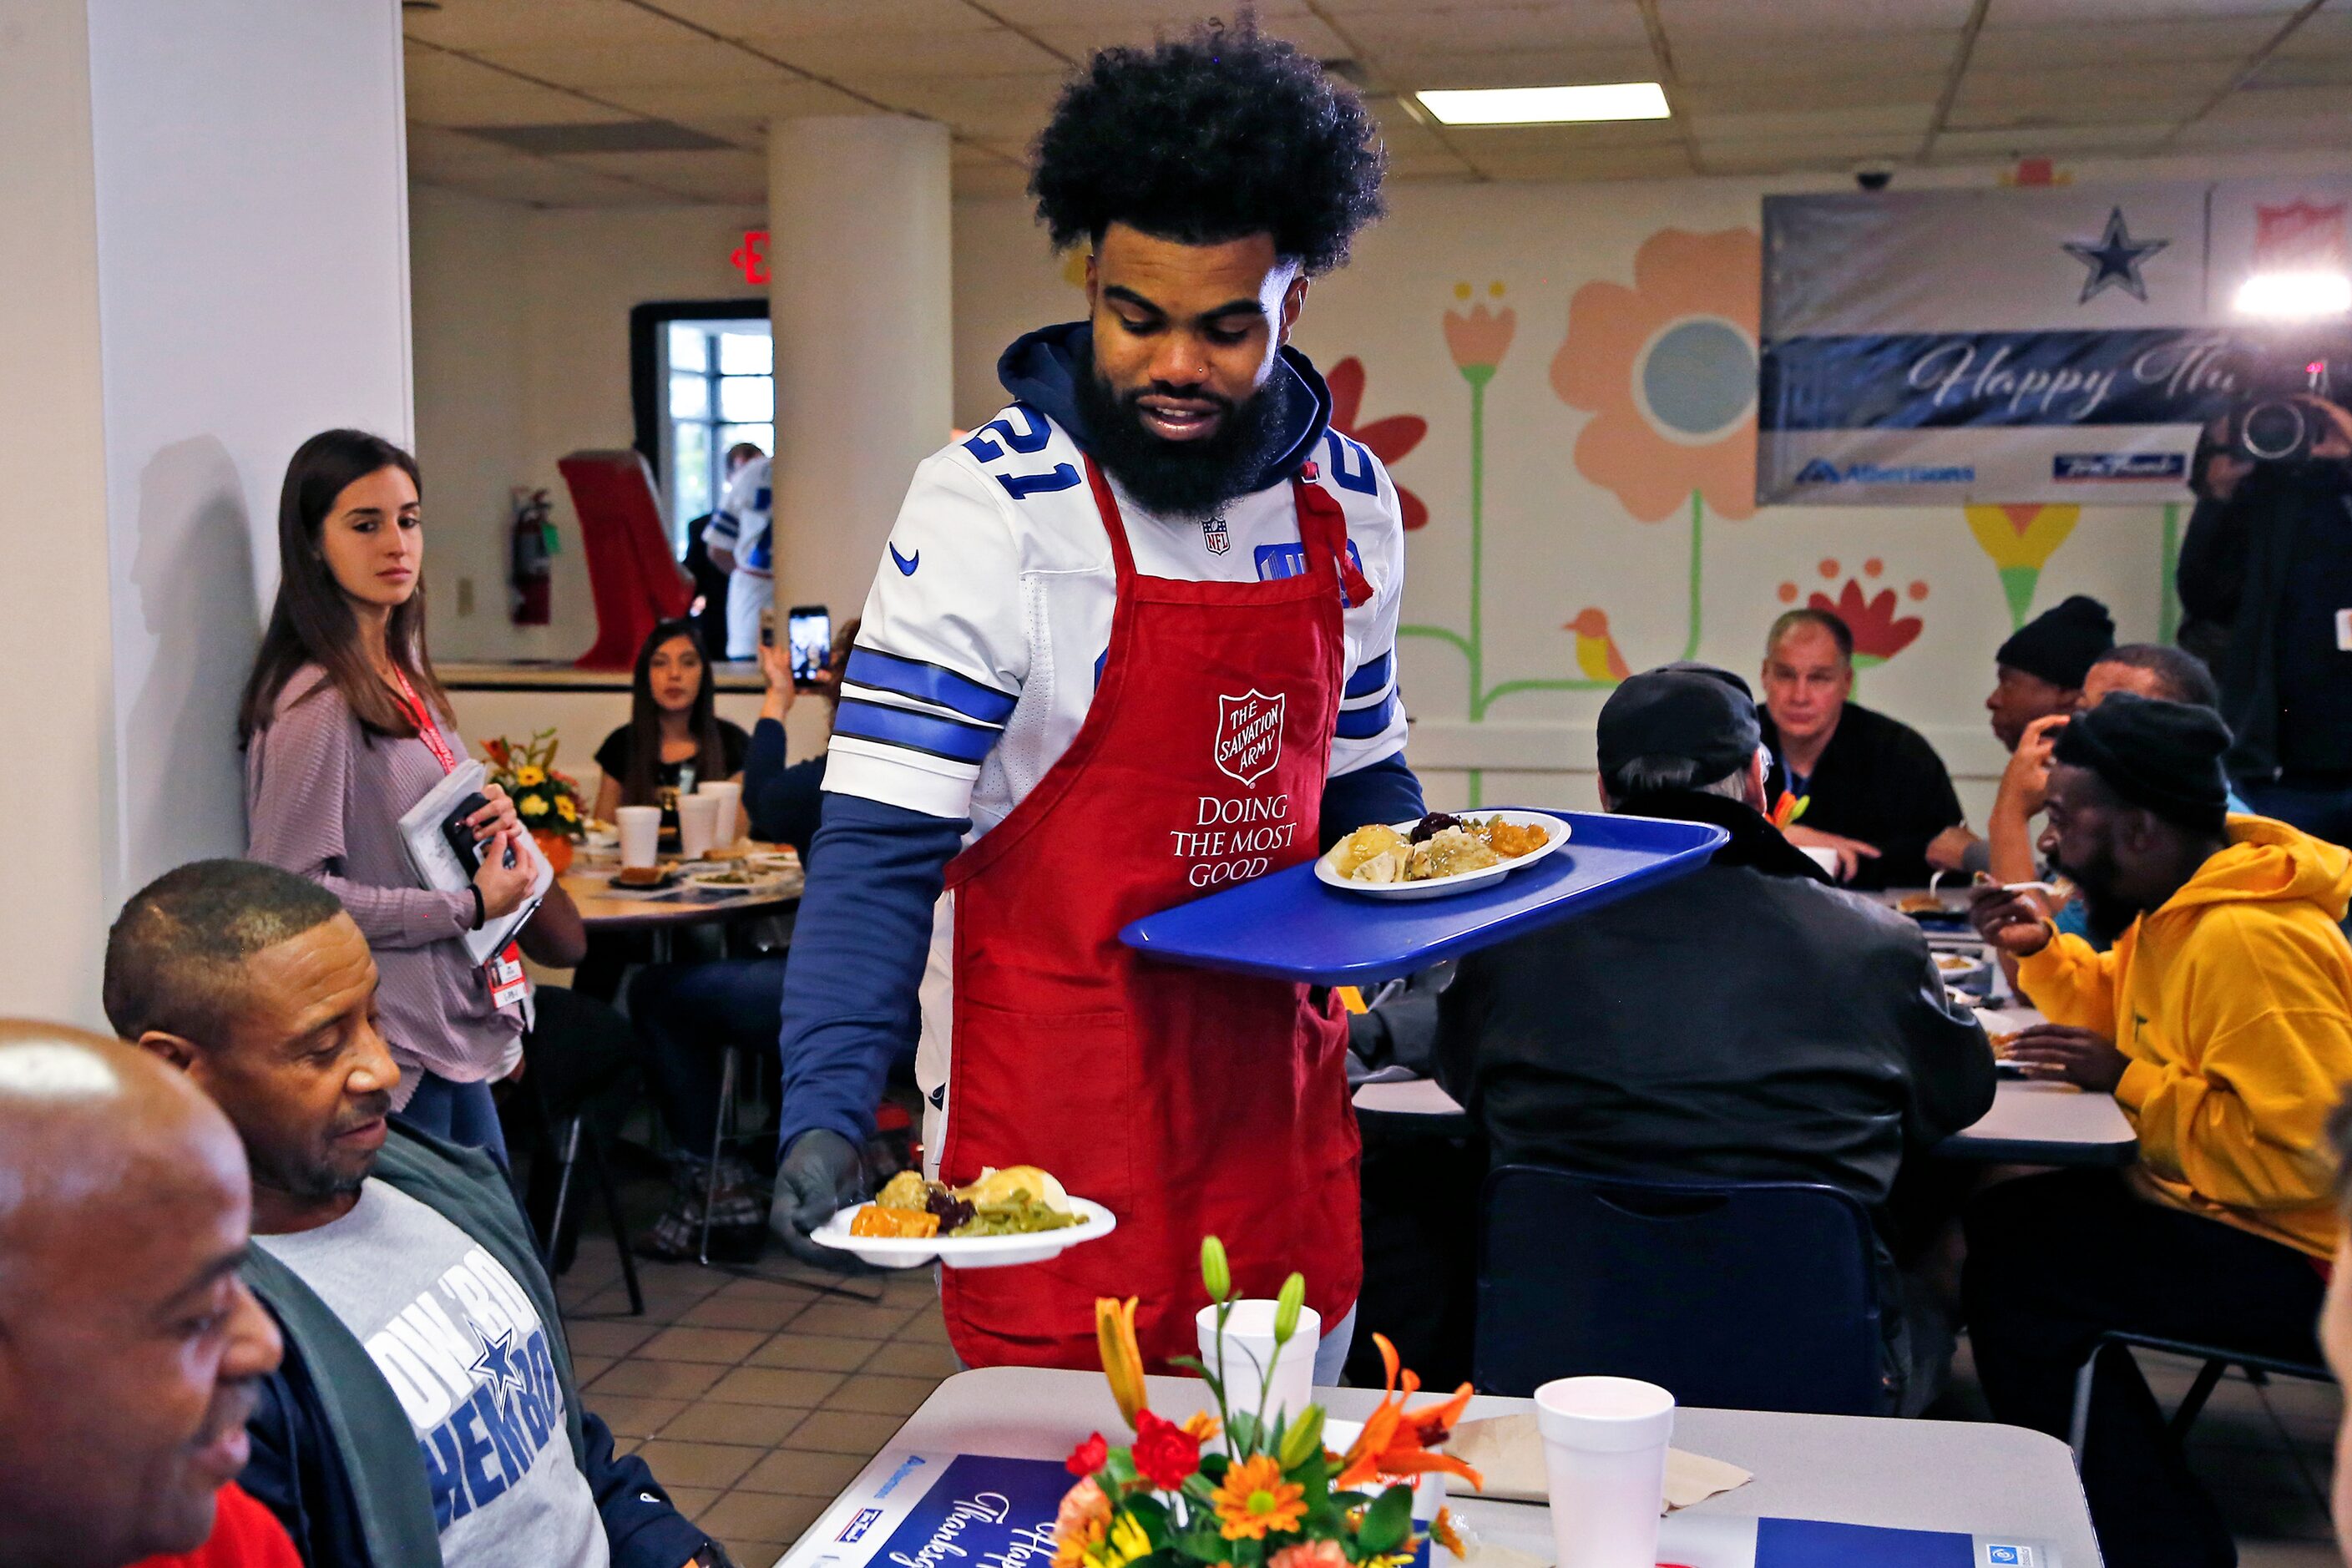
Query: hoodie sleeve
column 2070, row 983
column 941, row 652
column 2238, row 1108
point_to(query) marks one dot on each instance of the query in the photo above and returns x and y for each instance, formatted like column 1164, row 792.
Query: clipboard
column 438, row 867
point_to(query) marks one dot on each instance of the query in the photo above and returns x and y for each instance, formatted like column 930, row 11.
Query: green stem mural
column 1473, row 647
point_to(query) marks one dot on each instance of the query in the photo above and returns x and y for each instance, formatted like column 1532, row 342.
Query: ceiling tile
column 2012, row 13
column 1897, row 120
column 2038, row 48
column 1484, row 143
column 521, row 24
column 1762, row 154
column 2303, row 71
column 1506, row 25
column 1735, row 57
column 1083, row 38
column 1770, row 94
column 1004, row 109
column 829, row 18
column 680, row 60
column 540, row 183
column 2327, row 33
column 740, row 103
column 1519, row 68
column 1859, row 25
column 2075, row 96
column 2281, row 103
column 996, row 51
column 1173, row 13
column 449, row 89
column 2214, row 134
column 729, row 177
column 2001, row 145
column 1612, row 163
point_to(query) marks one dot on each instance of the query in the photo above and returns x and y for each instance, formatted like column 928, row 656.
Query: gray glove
column 821, row 1172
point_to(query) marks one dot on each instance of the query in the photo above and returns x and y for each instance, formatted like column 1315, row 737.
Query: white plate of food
column 1017, row 1215
column 1443, row 853
column 740, row 877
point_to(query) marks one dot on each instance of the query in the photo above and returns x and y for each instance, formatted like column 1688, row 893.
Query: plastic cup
column 640, row 833
column 1606, row 1458
column 697, row 823
column 1825, row 858
column 728, row 793
column 1249, row 1350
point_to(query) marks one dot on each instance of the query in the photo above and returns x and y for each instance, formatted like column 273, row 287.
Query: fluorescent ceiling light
column 1547, row 105
column 2295, row 295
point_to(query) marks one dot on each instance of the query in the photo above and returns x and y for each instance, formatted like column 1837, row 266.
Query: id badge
column 508, row 985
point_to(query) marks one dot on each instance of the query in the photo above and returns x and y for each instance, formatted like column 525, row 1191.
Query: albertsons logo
column 1821, row 471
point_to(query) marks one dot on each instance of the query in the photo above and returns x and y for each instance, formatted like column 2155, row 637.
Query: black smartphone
column 809, row 628
column 458, row 834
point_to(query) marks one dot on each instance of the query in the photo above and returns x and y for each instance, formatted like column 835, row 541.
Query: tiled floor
column 756, row 1400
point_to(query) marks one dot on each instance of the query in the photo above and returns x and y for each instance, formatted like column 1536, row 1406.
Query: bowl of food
column 737, row 877
column 1440, row 855
column 1017, row 1215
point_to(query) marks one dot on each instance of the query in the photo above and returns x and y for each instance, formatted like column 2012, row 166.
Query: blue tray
column 1288, row 926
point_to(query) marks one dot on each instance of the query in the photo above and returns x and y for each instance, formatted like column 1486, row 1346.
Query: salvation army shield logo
column 1249, row 736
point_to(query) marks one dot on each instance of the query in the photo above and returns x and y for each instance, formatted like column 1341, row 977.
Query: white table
column 1919, row 1474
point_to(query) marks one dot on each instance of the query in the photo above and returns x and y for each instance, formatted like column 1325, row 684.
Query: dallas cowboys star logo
column 2115, row 262
column 500, row 1360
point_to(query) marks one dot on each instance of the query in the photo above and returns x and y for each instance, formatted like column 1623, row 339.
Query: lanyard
column 426, row 729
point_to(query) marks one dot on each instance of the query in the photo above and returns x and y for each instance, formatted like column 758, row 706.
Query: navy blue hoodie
column 863, row 930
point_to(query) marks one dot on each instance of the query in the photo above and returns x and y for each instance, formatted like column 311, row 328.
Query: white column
column 204, row 225
column 858, row 214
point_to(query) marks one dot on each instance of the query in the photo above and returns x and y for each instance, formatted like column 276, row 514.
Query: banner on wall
column 2007, row 345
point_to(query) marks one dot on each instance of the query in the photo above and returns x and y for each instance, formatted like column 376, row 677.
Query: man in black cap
column 1704, row 1009
column 2222, row 1023
column 2040, row 671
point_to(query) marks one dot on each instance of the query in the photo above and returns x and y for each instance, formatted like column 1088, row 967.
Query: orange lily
column 1122, row 1358
column 1399, row 1442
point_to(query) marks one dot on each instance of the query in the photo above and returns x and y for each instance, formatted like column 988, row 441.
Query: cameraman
column 2265, row 585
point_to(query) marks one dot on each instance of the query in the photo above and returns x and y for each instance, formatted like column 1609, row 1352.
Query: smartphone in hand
column 810, row 629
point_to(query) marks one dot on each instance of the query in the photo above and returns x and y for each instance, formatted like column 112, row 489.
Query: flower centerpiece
column 1274, row 1497
column 547, row 801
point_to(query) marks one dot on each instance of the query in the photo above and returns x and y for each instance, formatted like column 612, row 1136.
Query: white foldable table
column 1913, row 1474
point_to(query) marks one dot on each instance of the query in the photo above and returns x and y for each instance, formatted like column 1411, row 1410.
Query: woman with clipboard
column 345, row 729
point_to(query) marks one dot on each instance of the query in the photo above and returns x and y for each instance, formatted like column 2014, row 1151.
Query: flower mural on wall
column 1388, row 439
column 1667, row 369
column 1880, row 629
column 2022, row 539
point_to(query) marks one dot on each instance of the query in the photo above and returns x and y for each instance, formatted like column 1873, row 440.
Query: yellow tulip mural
column 2022, row 539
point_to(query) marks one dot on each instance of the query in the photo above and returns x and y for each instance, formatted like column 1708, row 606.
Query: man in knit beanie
column 2222, row 1023
column 2040, row 669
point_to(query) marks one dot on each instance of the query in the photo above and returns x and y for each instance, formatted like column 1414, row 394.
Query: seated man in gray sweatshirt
column 1746, row 1023
column 427, row 1411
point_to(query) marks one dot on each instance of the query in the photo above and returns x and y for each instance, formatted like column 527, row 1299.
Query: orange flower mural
column 1880, row 631
column 1667, row 369
column 1388, row 439
column 1479, row 341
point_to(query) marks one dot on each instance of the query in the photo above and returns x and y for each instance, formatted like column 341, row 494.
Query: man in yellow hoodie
column 2221, row 1022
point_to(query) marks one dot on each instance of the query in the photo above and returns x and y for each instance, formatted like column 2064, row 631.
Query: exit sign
column 750, row 258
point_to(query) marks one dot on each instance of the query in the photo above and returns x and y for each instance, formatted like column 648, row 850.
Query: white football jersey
column 989, row 617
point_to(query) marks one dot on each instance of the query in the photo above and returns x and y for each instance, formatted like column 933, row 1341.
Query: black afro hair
column 1207, row 138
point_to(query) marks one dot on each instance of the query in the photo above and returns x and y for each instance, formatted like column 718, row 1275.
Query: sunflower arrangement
column 1274, row 1497
column 547, row 801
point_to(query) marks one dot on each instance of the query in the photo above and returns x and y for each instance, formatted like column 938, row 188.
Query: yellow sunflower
column 533, row 806
column 530, row 776
column 1255, row 1501
column 565, row 809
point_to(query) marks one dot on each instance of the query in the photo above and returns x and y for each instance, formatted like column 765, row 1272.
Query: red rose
column 1165, row 1453
column 1088, row 1456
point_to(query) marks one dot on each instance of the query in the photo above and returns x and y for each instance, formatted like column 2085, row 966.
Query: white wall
column 56, row 795
column 253, row 247
column 523, row 355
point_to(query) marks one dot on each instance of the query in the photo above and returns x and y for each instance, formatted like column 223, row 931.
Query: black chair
column 2218, row 1360
column 1746, row 1296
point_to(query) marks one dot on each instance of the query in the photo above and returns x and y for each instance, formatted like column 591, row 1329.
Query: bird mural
column 1596, row 651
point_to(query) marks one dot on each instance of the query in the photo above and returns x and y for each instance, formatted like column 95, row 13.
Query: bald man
column 130, row 1348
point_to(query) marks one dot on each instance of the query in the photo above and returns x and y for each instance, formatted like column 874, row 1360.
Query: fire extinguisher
column 533, row 545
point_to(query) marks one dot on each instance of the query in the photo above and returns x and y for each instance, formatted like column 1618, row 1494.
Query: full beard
column 1188, row 480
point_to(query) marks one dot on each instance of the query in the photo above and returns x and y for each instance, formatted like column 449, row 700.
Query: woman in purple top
column 345, row 727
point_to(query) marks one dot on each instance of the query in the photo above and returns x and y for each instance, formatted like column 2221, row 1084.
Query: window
column 718, row 389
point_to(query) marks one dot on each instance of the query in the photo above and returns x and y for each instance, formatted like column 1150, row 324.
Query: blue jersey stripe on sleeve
column 916, row 732
column 1363, row 723
column 1370, row 677
column 931, row 683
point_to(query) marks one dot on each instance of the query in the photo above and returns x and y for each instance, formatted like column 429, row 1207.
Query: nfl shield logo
column 1249, row 736
column 1215, row 535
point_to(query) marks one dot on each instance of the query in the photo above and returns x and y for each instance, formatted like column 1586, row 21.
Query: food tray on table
column 1290, row 926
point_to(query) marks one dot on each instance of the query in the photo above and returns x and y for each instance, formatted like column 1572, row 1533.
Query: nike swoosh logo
column 906, row 563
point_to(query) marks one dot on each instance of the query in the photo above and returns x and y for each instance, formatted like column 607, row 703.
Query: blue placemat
column 1288, row 926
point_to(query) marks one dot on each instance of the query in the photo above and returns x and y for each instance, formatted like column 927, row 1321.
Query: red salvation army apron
column 503, row 974
column 1188, row 1103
